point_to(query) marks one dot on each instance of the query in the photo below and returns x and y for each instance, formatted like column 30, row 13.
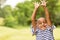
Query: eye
column 40, row 23
column 44, row 22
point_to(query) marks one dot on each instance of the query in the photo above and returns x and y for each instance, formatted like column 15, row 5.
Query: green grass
column 21, row 34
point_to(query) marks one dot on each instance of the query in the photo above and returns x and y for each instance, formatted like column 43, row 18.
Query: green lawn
column 21, row 34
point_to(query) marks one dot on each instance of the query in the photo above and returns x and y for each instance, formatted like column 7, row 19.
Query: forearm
column 47, row 16
column 34, row 14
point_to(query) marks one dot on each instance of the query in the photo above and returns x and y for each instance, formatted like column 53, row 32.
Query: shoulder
column 51, row 27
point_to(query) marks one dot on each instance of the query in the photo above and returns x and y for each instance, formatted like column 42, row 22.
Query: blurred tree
column 25, row 10
column 9, row 19
column 21, row 14
column 1, row 11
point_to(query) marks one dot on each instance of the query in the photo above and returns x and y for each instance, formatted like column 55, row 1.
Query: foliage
column 24, row 11
column 21, row 14
column 9, row 19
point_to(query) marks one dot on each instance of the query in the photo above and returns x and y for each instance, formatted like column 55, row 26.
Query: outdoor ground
column 22, row 34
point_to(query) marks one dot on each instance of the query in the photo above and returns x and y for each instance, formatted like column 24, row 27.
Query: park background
column 15, row 21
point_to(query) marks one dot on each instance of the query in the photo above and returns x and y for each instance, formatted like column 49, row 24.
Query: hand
column 34, row 34
column 43, row 3
column 36, row 4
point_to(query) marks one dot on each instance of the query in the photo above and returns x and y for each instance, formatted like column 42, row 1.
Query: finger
column 40, row 0
column 44, row 0
column 47, row 2
column 34, row 2
column 39, row 3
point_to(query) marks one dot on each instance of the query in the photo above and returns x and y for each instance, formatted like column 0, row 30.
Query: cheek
column 45, row 24
column 40, row 25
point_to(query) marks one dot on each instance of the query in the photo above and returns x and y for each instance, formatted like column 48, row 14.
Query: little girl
column 42, row 28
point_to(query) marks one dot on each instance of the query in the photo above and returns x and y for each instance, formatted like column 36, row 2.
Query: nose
column 42, row 23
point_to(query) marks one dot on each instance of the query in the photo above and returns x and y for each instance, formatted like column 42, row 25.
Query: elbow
column 32, row 18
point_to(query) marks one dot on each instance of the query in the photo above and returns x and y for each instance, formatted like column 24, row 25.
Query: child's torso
column 45, row 34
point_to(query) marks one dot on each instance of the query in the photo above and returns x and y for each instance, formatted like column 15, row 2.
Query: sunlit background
column 12, row 2
column 15, row 18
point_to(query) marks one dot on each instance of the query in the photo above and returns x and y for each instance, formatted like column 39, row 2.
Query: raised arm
column 33, row 18
column 46, row 13
column 47, row 16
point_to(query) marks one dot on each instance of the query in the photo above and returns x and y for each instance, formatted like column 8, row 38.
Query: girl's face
column 41, row 22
